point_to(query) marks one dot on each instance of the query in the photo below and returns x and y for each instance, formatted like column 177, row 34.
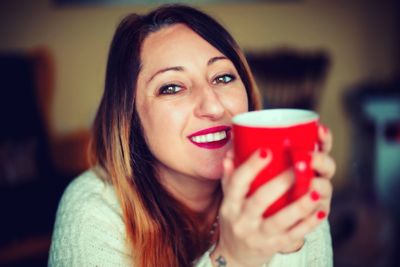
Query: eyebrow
column 180, row 68
column 215, row 59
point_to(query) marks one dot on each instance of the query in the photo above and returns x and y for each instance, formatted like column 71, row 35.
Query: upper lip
column 211, row 130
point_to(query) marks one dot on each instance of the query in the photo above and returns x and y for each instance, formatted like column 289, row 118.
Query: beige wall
column 359, row 37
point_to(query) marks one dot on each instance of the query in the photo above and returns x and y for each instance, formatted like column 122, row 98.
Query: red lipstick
column 211, row 138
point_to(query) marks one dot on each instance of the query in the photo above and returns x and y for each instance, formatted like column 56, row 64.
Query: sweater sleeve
column 316, row 252
column 89, row 230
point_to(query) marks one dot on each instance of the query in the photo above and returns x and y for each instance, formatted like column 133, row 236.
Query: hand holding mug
column 247, row 236
column 291, row 135
column 321, row 187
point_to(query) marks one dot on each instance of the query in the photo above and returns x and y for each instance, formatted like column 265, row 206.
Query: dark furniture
column 290, row 78
column 31, row 183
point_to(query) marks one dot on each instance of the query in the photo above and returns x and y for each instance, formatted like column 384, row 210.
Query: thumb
column 228, row 168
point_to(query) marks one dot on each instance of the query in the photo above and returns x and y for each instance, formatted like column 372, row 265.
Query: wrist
column 222, row 258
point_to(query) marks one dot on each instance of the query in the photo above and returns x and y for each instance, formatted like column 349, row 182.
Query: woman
column 155, row 196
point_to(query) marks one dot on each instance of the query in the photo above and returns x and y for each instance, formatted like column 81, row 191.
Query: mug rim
column 306, row 116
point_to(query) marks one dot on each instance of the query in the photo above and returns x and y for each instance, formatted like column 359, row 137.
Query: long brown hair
column 160, row 230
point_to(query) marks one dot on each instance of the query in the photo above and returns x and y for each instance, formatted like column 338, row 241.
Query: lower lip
column 214, row 145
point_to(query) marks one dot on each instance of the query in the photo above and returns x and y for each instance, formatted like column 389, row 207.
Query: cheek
column 148, row 121
column 236, row 101
column 154, row 125
column 162, row 124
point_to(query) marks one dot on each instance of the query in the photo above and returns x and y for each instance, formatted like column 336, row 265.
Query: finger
column 293, row 247
column 326, row 205
column 292, row 214
column 325, row 138
column 258, row 202
column 323, row 164
column 307, row 226
column 230, row 154
column 298, row 232
column 228, row 167
column 239, row 182
column 278, row 243
column 323, row 187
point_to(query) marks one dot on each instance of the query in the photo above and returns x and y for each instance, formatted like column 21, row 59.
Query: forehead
column 174, row 43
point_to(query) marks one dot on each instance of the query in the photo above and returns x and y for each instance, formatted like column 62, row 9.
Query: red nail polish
column 321, row 214
column 325, row 129
column 263, row 153
column 315, row 195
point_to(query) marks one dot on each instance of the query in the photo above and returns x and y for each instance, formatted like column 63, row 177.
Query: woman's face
column 187, row 93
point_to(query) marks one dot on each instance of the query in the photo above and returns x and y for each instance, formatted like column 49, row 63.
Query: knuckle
column 238, row 231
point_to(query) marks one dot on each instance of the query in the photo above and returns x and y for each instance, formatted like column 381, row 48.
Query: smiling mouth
column 211, row 138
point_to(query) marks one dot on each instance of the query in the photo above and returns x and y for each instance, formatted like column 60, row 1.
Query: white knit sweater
column 89, row 231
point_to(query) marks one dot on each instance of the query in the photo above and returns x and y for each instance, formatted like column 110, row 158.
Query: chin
column 213, row 169
column 214, row 174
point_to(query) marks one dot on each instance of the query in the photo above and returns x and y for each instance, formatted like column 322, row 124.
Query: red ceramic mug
column 291, row 135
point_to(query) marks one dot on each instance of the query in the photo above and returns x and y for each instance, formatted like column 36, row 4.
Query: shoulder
column 89, row 224
column 89, row 196
column 90, row 188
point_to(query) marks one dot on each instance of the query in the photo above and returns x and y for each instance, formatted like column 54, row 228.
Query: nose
column 208, row 104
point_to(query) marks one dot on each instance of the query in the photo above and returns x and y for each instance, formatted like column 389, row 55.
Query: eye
column 169, row 89
column 225, row 78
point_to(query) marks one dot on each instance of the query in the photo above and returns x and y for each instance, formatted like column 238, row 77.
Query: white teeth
column 215, row 136
column 211, row 137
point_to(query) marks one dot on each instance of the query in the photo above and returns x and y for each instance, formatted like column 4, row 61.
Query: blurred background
column 340, row 58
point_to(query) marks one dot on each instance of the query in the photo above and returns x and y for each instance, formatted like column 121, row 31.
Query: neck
column 200, row 195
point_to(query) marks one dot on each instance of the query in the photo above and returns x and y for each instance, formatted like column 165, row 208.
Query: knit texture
column 89, row 231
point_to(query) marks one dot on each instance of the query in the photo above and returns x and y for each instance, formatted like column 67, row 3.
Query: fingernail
column 324, row 129
column 263, row 153
column 321, row 214
column 315, row 196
